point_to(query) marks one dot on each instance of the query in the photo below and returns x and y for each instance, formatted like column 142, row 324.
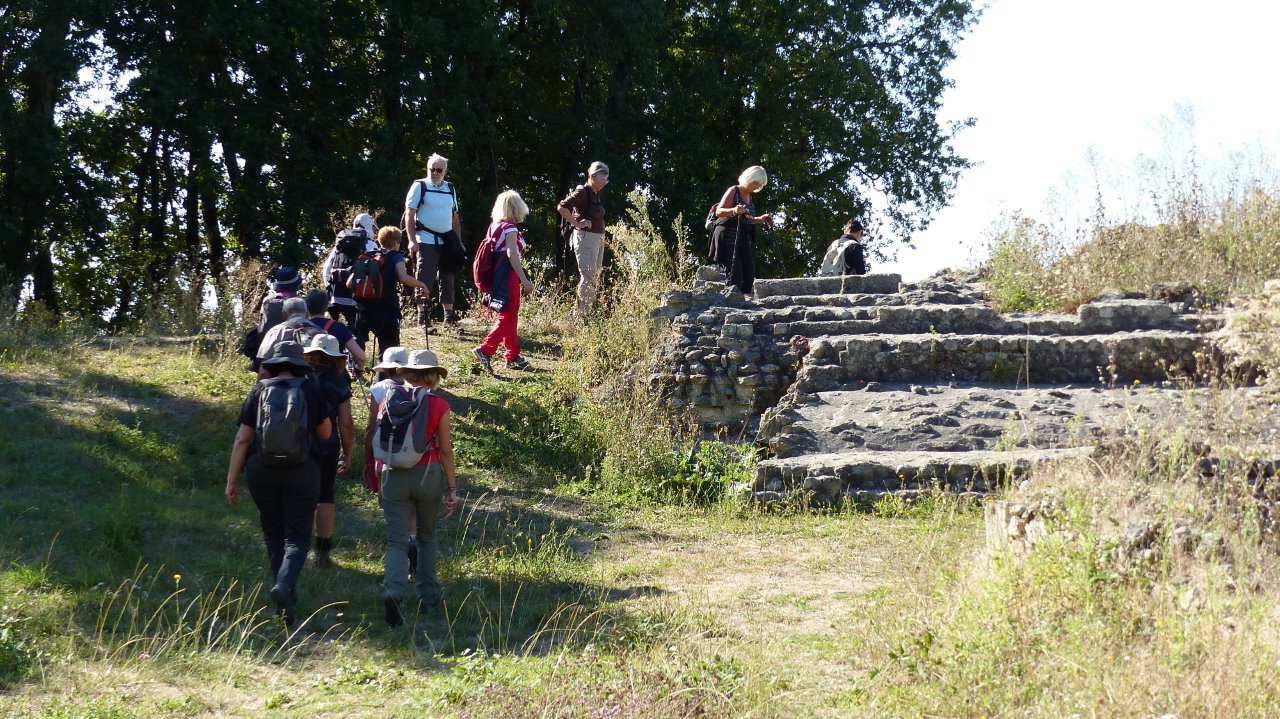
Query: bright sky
column 1047, row 81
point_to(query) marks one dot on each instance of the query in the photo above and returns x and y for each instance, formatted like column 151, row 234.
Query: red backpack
column 486, row 261
column 366, row 276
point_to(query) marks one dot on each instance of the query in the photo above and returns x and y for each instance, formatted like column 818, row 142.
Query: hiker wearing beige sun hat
column 329, row 372
column 419, row 489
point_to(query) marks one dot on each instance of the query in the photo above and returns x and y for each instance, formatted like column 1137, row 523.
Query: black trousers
column 382, row 322
column 737, row 260
column 286, row 499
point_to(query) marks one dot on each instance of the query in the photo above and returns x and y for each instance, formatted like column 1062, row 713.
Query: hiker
column 285, row 283
column 317, row 301
column 274, row 445
column 431, row 221
column 733, row 235
column 346, row 249
column 380, row 314
column 295, row 327
column 509, row 281
column 386, row 378
column 419, row 489
column 581, row 208
column 329, row 372
column 845, row 255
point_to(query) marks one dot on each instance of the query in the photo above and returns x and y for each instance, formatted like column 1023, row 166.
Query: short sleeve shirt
column 500, row 244
column 337, row 329
column 435, row 205
column 315, row 407
column 336, row 389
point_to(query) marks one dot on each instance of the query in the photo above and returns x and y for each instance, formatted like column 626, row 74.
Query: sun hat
column 393, row 358
column 286, row 279
column 364, row 221
column 325, row 343
column 425, row 359
column 286, row 352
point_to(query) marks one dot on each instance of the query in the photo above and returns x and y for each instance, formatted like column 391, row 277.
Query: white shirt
column 435, row 205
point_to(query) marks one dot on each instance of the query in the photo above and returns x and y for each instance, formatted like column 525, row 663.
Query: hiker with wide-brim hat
column 329, row 372
column 419, row 490
column 280, row 422
column 386, row 376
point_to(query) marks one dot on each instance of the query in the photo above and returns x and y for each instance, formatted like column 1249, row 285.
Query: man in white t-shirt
column 431, row 218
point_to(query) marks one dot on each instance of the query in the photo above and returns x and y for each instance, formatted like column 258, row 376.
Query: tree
column 235, row 131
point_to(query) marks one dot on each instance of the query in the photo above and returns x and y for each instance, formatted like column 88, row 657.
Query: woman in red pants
column 510, row 282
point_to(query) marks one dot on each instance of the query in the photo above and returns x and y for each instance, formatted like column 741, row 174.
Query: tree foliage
column 149, row 145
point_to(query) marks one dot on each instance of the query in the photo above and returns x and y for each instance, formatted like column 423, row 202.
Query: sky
column 1047, row 82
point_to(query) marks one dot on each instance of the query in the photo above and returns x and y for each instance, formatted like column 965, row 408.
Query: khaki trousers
column 588, row 248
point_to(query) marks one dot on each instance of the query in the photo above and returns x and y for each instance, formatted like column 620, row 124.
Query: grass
column 1189, row 226
column 601, row 566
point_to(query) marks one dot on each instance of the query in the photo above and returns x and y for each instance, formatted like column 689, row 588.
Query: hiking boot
column 323, row 559
column 483, row 359
column 394, row 617
column 286, row 599
column 451, row 318
column 519, row 363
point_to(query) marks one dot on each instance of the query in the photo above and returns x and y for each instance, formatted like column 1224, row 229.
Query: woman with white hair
column 510, row 281
column 584, row 212
column 733, row 236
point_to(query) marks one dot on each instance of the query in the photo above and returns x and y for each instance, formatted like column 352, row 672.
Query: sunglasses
column 437, row 169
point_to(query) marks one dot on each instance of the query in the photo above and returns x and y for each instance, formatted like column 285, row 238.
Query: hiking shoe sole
column 483, row 359
column 519, row 363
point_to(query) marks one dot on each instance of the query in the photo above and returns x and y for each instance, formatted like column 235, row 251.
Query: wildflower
column 177, row 579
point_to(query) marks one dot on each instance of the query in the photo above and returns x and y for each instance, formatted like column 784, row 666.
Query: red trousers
column 504, row 333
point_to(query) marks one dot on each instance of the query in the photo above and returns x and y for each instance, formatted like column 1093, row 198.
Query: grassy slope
column 132, row 589
column 129, row 588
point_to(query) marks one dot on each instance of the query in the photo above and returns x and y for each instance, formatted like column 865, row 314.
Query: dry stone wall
column 864, row 385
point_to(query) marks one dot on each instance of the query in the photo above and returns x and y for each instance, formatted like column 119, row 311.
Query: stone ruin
column 861, row 386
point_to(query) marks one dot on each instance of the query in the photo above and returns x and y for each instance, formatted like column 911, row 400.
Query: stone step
column 1147, row 356
column 876, row 283
column 861, row 476
column 939, row 417
column 973, row 319
column 862, row 299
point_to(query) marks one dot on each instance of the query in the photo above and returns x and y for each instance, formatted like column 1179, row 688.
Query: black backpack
column 272, row 315
column 283, row 429
column 348, row 247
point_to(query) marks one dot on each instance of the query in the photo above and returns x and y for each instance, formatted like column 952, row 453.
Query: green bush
column 708, row 471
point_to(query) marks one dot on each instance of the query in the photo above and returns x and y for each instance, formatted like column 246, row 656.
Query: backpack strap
column 421, row 186
column 328, row 324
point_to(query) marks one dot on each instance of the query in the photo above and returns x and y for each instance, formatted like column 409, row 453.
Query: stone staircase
column 860, row 386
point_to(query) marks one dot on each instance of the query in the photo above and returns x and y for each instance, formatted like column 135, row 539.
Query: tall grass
column 607, row 359
column 1172, row 222
column 1147, row 590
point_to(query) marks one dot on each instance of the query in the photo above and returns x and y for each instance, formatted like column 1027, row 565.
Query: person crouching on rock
column 280, row 422
column 846, row 255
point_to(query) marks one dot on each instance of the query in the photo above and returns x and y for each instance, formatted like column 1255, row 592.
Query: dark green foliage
column 148, row 146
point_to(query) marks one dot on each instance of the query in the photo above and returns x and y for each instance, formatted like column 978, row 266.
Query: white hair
column 436, row 156
column 753, row 174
